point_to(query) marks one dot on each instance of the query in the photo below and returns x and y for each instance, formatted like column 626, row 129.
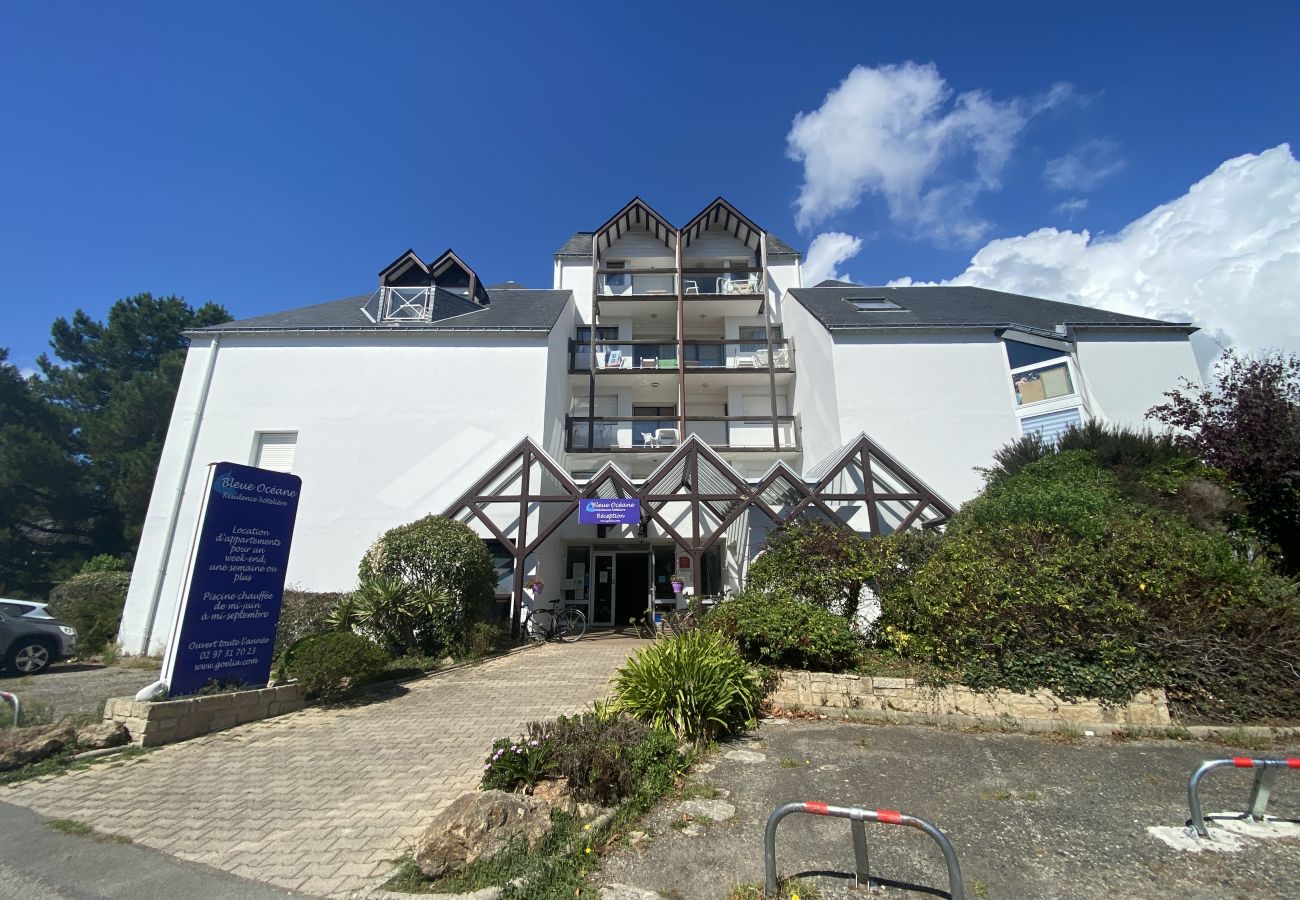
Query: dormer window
column 412, row 291
column 872, row 304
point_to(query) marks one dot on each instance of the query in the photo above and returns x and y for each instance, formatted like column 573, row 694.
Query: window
column 1051, row 426
column 870, row 304
column 274, row 450
column 1044, row 382
column 603, row 333
column 1020, row 355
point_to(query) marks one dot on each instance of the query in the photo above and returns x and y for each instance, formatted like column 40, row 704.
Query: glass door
column 602, row 589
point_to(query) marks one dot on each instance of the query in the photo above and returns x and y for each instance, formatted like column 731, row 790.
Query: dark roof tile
column 953, row 307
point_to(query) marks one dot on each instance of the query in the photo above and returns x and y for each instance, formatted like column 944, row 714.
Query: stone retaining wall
column 151, row 724
column 901, row 698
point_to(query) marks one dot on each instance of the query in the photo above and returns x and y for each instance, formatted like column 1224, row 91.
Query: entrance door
column 602, row 589
column 632, row 595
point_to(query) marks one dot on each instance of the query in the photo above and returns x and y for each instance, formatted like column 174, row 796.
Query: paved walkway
column 321, row 800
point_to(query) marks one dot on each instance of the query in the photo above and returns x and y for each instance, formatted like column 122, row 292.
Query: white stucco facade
column 394, row 414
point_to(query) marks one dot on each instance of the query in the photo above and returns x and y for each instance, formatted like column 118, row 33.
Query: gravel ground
column 76, row 689
column 1029, row 816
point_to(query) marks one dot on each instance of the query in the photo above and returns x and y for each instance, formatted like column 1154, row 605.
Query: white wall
column 575, row 275
column 557, row 380
column 390, row 428
column 940, row 405
column 1127, row 374
column 816, row 395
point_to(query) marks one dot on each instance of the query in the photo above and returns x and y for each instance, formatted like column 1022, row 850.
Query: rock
column 589, row 811
column 627, row 892
column 555, row 791
column 716, row 810
column 480, row 825
column 102, row 736
column 635, row 837
column 747, row 756
column 692, row 830
column 19, row 747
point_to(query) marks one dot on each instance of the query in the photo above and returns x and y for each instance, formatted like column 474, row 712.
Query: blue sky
column 272, row 155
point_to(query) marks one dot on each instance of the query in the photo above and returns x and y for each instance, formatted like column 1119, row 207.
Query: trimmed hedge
column 92, row 603
column 780, row 631
column 302, row 614
column 330, row 665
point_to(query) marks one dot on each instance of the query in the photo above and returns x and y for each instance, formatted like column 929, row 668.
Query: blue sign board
column 594, row 511
column 226, row 624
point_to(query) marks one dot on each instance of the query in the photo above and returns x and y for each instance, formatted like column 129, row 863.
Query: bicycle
column 564, row 624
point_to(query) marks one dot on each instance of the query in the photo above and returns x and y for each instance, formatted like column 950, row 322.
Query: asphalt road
column 38, row 861
column 1029, row 816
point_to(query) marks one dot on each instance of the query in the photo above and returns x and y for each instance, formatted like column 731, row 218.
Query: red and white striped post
column 12, row 698
column 857, row 817
column 1265, row 773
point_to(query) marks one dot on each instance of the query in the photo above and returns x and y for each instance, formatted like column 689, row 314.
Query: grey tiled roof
column 508, row 310
column 955, row 307
column 580, row 245
column 778, row 247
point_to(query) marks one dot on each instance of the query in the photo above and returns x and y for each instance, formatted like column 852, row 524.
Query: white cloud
column 1225, row 256
column 897, row 131
column 825, row 253
column 1071, row 206
column 1083, row 169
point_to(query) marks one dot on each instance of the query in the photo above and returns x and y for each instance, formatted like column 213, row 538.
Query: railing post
column 1259, row 793
column 1261, row 788
column 860, row 857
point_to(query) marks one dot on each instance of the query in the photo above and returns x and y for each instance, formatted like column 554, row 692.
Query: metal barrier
column 1265, row 774
column 12, row 698
column 857, row 817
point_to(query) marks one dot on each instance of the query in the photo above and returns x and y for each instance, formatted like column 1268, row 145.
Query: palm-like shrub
column 696, row 686
column 405, row 619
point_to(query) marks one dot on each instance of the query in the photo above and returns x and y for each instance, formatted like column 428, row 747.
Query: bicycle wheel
column 572, row 625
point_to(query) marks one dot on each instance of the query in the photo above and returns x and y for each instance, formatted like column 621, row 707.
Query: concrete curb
column 957, row 720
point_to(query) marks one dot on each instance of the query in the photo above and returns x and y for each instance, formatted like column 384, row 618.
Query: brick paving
column 321, row 801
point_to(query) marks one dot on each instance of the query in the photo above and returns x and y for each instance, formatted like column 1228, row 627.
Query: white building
column 686, row 365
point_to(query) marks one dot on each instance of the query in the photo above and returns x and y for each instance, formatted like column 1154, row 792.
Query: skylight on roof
column 867, row 304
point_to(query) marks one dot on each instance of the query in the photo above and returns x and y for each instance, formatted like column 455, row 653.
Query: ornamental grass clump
column 696, row 687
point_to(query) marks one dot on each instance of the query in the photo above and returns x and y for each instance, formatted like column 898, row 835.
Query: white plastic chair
column 666, row 437
column 648, row 439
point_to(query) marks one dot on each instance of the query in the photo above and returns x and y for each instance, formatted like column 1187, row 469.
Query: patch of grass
column 794, row 763
column 987, row 796
column 979, row 888
column 787, row 889
column 690, row 791
column 138, row 662
column 63, row 762
column 1240, row 738
column 81, row 829
column 863, row 743
column 33, row 713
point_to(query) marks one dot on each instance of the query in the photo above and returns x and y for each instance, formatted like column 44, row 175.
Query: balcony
column 738, row 290
column 400, row 304
column 632, row 434
column 700, row 356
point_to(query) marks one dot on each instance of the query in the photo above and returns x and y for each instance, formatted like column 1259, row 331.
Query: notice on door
column 225, row 628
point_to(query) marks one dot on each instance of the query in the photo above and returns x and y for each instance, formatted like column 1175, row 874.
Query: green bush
column 92, row 604
column 516, row 765
column 103, row 562
column 451, row 578
column 815, row 562
column 481, row 639
column 607, row 758
column 302, row 614
column 329, row 665
column 1055, row 578
column 696, row 686
column 780, row 631
column 403, row 618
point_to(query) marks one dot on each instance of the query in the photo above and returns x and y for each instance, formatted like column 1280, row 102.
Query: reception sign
column 225, row 626
column 595, row 511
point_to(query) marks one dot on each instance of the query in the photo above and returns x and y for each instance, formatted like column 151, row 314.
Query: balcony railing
column 660, row 282
column 400, row 304
column 637, row 355
column 654, row 433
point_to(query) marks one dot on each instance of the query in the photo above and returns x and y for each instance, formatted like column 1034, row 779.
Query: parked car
column 31, row 639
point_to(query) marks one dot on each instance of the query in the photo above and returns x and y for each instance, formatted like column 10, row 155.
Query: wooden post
column 767, row 336
column 681, row 344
